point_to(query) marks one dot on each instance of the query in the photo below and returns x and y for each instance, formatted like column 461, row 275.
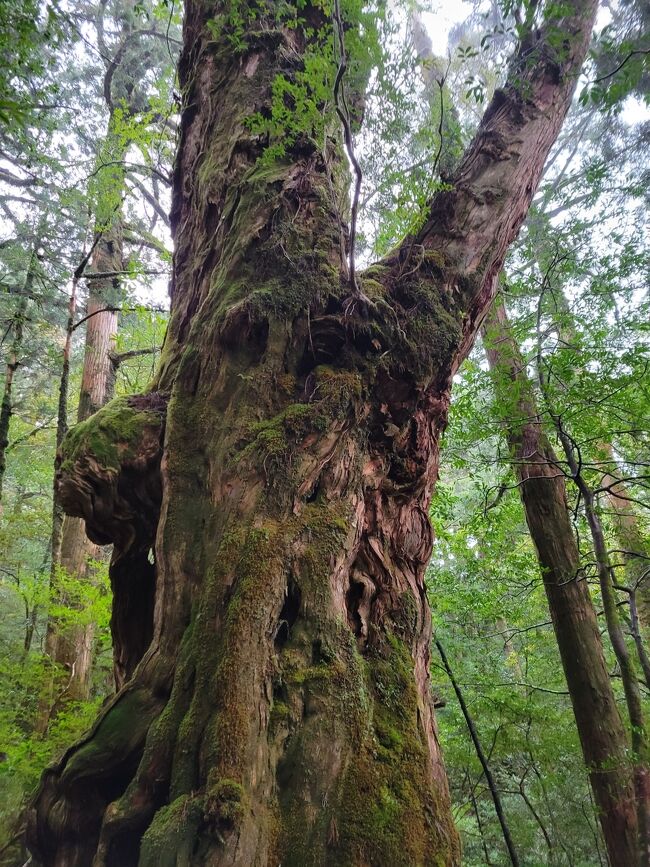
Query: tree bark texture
column 282, row 713
column 543, row 494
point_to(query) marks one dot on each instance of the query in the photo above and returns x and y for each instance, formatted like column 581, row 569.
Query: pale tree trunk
column 62, row 409
column 543, row 494
column 633, row 546
column 71, row 549
column 282, row 713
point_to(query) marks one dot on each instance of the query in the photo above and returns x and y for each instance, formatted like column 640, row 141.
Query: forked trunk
column 543, row 494
column 282, row 713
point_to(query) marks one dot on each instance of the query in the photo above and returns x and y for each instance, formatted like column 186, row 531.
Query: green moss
column 373, row 289
column 110, row 435
column 432, row 332
column 311, row 673
column 387, row 804
column 388, row 736
column 280, row 714
column 337, row 391
column 255, row 557
column 224, row 802
column 274, row 438
column 281, row 276
column 435, row 258
column 120, row 732
column 172, row 835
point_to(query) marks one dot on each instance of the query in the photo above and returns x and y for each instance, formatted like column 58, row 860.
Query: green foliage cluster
column 26, row 28
column 29, row 739
column 491, row 616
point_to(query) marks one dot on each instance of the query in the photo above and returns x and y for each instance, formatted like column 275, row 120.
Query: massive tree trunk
column 282, row 712
column 543, row 494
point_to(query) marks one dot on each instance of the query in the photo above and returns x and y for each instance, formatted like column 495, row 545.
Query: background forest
column 88, row 125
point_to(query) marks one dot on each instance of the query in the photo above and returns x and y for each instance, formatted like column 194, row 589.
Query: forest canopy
column 325, row 433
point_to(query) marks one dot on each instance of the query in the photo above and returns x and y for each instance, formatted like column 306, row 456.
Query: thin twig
column 343, row 112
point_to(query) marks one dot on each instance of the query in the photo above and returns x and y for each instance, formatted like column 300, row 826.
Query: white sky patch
column 635, row 111
column 441, row 18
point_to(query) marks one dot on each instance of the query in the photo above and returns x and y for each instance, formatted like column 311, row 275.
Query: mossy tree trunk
column 543, row 494
column 282, row 712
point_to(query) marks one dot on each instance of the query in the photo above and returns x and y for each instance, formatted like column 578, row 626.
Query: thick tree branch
column 471, row 225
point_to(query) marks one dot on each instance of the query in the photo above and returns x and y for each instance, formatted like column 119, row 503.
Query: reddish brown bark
column 283, row 712
column 543, row 493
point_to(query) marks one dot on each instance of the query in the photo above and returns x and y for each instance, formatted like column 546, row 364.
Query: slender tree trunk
column 484, row 844
column 62, row 411
column 6, row 410
column 641, row 754
column 640, row 747
column 543, row 494
column 282, row 713
column 13, row 360
column 72, row 648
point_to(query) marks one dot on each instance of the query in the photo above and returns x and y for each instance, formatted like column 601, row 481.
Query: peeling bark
column 282, row 712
